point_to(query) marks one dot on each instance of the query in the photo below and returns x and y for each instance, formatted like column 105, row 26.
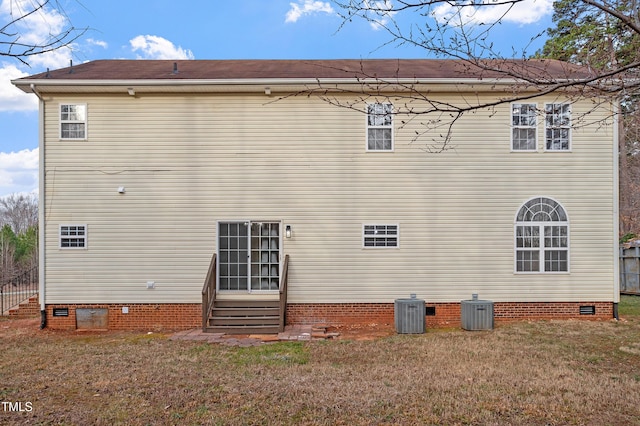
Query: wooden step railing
column 283, row 293
column 247, row 315
column 209, row 293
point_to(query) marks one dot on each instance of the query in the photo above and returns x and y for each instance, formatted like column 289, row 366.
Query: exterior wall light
column 287, row 231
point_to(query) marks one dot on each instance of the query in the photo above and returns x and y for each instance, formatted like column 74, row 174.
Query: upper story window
column 524, row 125
column 380, row 236
column 542, row 237
column 73, row 121
column 557, row 127
column 380, row 127
column 73, row 236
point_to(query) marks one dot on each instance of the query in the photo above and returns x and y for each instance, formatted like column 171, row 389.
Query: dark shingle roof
column 128, row 70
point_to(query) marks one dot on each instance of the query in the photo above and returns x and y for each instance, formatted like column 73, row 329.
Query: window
column 542, row 237
column 380, row 127
column 380, row 236
column 557, row 127
column 523, row 127
column 73, row 236
column 73, row 121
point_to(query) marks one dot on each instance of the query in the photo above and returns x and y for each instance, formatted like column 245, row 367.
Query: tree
column 19, row 211
column 584, row 35
column 46, row 22
column 455, row 30
column 7, row 253
column 18, row 235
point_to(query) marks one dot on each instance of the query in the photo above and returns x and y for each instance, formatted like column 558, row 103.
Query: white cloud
column 12, row 98
column 154, row 47
column 99, row 43
column 307, row 7
column 19, row 172
column 524, row 12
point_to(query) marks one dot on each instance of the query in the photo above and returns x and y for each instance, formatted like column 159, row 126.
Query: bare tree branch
column 14, row 43
column 461, row 37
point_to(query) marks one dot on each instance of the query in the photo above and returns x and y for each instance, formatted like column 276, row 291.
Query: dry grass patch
column 540, row 373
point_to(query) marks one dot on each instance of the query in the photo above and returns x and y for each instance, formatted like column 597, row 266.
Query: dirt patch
column 19, row 327
column 363, row 332
column 31, row 327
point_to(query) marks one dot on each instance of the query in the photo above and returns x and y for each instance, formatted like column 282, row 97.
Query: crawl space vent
column 587, row 310
column 60, row 312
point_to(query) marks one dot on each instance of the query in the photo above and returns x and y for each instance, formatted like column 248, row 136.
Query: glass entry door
column 248, row 256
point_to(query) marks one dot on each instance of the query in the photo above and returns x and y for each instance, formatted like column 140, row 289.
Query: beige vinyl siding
column 187, row 161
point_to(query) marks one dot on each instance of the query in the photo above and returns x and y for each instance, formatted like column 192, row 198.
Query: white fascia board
column 25, row 85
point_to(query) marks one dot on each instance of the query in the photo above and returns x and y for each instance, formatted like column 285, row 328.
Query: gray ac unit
column 409, row 316
column 476, row 314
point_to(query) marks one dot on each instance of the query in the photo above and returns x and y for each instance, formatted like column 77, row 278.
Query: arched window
column 542, row 237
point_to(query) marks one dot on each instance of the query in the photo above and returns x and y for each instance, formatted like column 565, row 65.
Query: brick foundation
column 513, row 311
column 152, row 317
column 189, row 315
column 446, row 314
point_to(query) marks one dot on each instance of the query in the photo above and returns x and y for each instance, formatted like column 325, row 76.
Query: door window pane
column 265, row 258
column 249, row 254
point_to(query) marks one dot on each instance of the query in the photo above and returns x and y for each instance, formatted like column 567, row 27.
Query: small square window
column 73, row 236
column 380, row 236
column 73, row 121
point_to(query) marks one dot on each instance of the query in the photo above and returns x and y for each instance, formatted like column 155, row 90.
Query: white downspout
column 41, row 209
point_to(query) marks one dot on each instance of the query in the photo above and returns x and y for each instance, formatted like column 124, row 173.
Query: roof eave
column 27, row 85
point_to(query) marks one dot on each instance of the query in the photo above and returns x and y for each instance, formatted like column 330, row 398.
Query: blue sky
column 213, row 29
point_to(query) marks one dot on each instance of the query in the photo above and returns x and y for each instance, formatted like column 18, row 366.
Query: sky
column 211, row 29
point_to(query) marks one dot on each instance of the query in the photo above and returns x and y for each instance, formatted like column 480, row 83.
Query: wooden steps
column 244, row 317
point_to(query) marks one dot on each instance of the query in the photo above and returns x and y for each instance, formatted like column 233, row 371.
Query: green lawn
column 629, row 305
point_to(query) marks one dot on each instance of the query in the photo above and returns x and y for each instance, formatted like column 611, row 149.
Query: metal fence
column 18, row 289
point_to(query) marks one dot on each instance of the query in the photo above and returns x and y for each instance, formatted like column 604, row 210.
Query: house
column 156, row 176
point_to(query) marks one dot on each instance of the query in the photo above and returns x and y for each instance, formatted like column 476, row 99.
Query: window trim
column 390, row 127
column 61, row 121
column 534, row 127
column 541, row 249
column 568, row 127
column 385, row 236
column 83, row 238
